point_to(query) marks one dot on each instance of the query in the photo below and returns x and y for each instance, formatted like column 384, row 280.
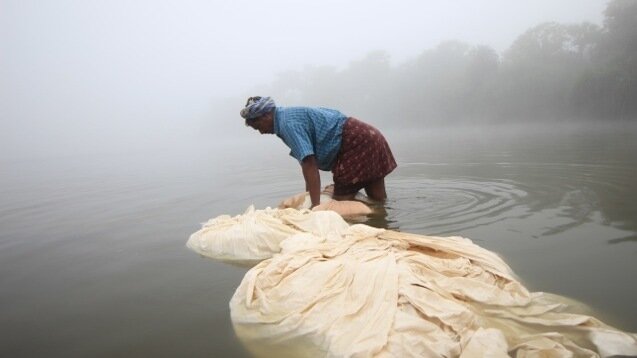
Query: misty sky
column 77, row 71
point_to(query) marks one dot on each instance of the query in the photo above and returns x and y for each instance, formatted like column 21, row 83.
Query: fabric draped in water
column 254, row 236
column 345, row 208
column 333, row 289
column 243, row 239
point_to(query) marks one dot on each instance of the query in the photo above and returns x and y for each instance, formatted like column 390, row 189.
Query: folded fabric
column 345, row 208
column 369, row 292
column 338, row 290
column 255, row 235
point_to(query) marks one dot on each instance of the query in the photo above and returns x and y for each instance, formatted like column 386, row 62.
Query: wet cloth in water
column 364, row 157
column 339, row 290
column 247, row 239
column 255, row 235
column 345, row 208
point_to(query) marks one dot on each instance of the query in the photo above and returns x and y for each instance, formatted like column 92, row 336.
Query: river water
column 92, row 254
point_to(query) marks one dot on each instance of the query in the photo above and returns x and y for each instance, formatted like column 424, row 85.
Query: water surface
column 92, row 248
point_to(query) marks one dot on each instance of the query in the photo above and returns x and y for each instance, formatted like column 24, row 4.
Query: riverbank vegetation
column 553, row 70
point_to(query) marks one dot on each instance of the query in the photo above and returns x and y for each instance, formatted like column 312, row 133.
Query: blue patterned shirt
column 310, row 131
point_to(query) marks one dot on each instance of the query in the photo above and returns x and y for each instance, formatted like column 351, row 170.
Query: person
column 356, row 153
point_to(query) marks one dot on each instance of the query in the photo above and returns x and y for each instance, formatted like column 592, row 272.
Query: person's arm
column 312, row 179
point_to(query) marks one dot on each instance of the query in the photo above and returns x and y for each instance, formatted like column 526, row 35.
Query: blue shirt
column 310, row 131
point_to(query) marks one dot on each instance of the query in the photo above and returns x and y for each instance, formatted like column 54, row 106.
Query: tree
column 541, row 68
column 609, row 89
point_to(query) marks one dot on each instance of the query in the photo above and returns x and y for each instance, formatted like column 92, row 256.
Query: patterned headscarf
column 257, row 106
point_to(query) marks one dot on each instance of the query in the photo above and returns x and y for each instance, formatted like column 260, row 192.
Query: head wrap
column 257, row 106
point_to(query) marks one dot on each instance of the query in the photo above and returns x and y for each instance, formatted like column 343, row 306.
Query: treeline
column 552, row 71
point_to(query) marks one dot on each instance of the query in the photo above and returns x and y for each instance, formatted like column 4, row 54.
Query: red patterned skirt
column 364, row 157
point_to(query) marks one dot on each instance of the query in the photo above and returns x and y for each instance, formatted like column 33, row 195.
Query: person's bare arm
column 312, row 179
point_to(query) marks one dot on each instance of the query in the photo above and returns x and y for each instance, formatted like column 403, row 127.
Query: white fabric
column 256, row 235
column 345, row 208
column 243, row 239
column 337, row 290
column 302, row 201
column 371, row 292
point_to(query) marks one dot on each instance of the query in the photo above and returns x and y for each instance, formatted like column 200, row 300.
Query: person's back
column 308, row 131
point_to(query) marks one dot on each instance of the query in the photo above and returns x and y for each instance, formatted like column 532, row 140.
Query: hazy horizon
column 83, row 75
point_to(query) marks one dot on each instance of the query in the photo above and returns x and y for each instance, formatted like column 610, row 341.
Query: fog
column 117, row 76
column 120, row 133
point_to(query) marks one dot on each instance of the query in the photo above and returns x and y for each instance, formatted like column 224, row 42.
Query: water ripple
column 439, row 206
column 457, row 197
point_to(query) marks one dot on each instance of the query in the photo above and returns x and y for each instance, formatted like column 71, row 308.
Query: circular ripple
column 439, row 206
column 464, row 196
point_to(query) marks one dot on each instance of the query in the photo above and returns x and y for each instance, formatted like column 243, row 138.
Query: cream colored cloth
column 243, row 239
column 327, row 288
column 357, row 291
column 256, row 235
column 345, row 208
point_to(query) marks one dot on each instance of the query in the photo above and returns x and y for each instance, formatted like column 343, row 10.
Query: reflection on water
column 94, row 264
